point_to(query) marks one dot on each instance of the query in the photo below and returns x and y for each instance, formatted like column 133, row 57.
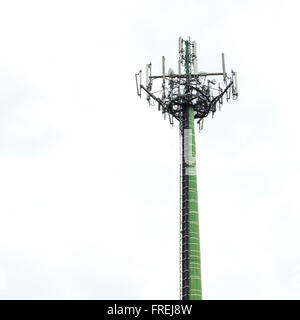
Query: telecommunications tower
column 186, row 96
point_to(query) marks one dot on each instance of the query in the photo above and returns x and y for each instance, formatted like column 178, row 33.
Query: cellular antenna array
column 185, row 97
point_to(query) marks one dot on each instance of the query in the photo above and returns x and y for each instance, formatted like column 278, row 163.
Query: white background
column 89, row 174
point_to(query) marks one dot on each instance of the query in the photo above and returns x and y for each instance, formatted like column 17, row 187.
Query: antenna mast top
column 194, row 88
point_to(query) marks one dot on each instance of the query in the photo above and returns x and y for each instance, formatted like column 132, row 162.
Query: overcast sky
column 89, row 174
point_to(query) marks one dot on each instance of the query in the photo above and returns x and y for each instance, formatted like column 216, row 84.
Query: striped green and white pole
column 191, row 286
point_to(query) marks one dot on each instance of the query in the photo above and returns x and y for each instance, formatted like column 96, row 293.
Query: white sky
column 89, row 194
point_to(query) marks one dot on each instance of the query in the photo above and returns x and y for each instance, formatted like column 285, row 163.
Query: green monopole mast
column 186, row 97
column 191, row 266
